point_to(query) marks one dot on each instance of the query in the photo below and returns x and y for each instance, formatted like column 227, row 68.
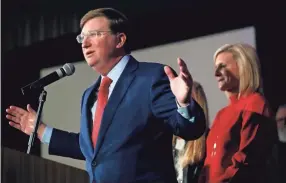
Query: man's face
column 99, row 44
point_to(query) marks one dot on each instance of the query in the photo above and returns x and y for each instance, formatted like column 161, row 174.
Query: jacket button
column 93, row 163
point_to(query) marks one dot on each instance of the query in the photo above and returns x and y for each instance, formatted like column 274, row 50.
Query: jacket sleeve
column 65, row 144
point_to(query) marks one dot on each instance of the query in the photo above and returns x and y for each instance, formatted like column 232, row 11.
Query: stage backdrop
column 62, row 107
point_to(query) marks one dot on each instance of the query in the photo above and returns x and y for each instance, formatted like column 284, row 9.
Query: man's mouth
column 89, row 53
column 220, row 79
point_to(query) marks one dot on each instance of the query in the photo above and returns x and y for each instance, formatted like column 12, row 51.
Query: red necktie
column 101, row 103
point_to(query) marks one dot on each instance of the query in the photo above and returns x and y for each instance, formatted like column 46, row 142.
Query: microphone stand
column 42, row 99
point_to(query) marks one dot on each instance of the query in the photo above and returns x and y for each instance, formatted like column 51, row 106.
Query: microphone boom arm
column 42, row 99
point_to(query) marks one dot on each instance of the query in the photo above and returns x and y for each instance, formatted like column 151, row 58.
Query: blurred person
column 130, row 113
column 281, row 144
column 189, row 155
column 243, row 133
column 281, row 123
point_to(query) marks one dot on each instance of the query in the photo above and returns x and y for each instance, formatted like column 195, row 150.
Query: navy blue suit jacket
column 135, row 138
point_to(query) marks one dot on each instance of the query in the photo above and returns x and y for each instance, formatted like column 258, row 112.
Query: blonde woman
column 189, row 156
column 242, row 135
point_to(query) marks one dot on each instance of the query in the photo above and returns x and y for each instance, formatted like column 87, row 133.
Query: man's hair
column 118, row 22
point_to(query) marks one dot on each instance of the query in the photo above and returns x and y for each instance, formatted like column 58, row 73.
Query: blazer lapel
column 117, row 95
column 86, row 126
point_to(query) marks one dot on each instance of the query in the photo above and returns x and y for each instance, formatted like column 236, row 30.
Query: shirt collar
column 117, row 70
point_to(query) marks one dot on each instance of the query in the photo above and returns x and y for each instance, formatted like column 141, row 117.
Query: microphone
column 67, row 70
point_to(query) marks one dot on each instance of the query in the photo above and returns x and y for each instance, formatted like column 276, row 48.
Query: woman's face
column 226, row 72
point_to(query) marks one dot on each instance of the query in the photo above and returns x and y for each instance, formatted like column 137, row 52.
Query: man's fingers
column 184, row 73
column 30, row 109
column 185, row 79
column 169, row 72
column 183, row 68
column 16, row 110
column 13, row 112
column 13, row 118
column 181, row 62
column 15, row 125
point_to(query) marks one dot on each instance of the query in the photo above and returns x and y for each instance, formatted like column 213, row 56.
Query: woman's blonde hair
column 195, row 150
column 248, row 64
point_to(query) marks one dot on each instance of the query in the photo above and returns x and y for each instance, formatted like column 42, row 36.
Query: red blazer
column 239, row 142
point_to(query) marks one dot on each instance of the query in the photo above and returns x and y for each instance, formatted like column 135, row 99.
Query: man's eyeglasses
column 94, row 33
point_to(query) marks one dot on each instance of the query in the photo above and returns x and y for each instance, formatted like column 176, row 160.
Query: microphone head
column 69, row 69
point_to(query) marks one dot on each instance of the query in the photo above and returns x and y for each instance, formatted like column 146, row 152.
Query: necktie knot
column 105, row 83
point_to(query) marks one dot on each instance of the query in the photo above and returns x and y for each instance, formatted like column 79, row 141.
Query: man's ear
column 121, row 40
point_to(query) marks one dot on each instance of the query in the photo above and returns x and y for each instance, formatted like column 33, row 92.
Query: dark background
column 154, row 23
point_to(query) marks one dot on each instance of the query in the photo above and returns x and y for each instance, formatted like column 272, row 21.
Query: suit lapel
column 117, row 95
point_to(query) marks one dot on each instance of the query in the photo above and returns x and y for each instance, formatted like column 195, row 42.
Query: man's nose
column 85, row 42
column 217, row 72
